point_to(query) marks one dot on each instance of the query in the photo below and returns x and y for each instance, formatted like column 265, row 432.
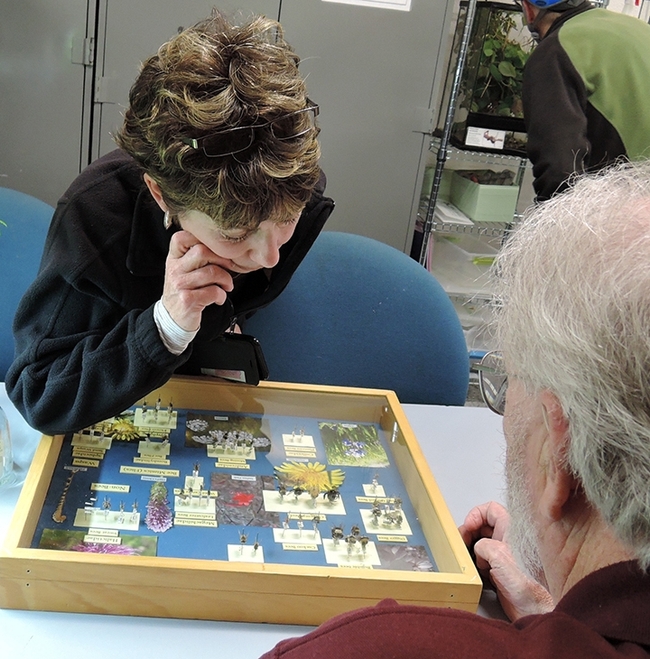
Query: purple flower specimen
column 159, row 514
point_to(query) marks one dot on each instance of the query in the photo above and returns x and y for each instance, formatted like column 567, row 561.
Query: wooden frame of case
column 51, row 580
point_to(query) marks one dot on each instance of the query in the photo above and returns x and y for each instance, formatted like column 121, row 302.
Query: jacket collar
column 149, row 242
column 614, row 601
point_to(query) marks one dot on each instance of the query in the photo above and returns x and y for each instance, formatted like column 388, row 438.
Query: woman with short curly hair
column 159, row 247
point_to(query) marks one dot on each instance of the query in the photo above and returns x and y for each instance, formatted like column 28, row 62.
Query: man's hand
column 195, row 277
column 484, row 531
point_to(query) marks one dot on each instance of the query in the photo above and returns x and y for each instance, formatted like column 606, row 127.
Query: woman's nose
column 265, row 248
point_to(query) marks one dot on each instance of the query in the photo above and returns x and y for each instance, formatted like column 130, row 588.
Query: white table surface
column 463, row 446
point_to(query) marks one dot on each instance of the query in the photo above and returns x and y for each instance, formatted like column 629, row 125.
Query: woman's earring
column 167, row 220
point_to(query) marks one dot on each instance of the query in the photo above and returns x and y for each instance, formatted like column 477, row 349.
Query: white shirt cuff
column 175, row 338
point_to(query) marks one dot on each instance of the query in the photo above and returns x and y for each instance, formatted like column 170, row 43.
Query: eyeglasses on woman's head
column 229, row 141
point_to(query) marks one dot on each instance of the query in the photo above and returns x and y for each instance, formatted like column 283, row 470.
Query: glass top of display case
column 298, row 481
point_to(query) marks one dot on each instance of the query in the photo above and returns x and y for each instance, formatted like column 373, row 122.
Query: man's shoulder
column 601, row 40
column 614, row 600
column 579, row 34
column 606, row 608
column 393, row 630
column 597, row 24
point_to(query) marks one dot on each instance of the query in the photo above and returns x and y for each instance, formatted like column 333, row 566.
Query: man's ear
column 530, row 12
column 559, row 481
column 154, row 189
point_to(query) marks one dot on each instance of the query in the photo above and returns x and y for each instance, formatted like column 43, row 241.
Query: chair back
column 21, row 246
column 360, row 313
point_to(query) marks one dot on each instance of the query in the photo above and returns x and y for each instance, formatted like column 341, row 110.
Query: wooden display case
column 239, row 587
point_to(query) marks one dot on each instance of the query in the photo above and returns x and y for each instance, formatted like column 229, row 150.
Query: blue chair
column 21, row 245
column 360, row 313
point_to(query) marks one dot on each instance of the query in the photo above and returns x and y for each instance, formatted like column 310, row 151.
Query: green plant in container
column 498, row 82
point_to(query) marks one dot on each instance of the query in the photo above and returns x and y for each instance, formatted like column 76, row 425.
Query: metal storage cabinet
column 456, row 249
column 128, row 33
column 43, row 94
column 371, row 70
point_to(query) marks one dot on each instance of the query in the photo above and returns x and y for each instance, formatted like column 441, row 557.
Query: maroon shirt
column 607, row 614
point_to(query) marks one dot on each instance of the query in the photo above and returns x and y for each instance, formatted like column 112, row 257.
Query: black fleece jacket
column 87, row 346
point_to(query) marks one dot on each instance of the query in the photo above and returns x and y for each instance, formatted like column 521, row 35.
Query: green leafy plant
column 499, row 71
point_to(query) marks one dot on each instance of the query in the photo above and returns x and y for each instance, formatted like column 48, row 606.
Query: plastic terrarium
column 489, row 112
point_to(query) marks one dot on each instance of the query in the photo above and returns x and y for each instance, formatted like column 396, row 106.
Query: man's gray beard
column 521, row 535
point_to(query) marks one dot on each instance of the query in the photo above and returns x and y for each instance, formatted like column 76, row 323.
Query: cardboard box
column 246, row 588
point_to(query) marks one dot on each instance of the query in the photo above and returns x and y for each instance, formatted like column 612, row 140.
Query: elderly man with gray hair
column 573, row 322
